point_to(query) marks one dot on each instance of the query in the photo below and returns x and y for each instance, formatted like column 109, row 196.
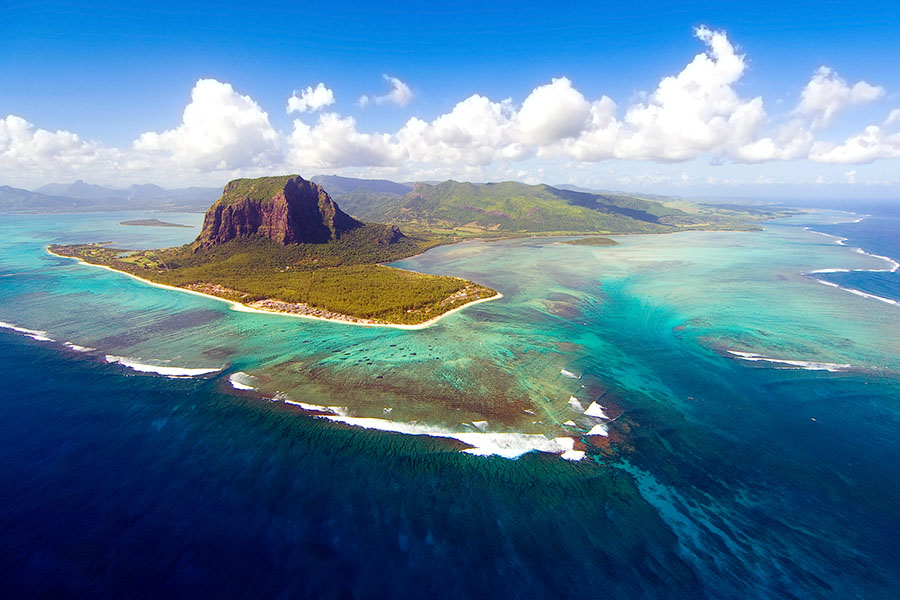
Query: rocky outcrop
column 391, row 235
column 287, row 209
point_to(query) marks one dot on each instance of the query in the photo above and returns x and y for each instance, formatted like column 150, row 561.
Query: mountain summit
column 287, row 209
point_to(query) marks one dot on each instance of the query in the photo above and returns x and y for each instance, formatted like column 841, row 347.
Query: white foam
column 894, row 264
column 573, row 455
column 335, row 410
column 78, row 348
column 242, row 381
column 173, row 372
column 35, row 334
column 574, row 403
column 507, row 445
column 800, row 364
column 595, row 410
column 859, row 293
column 567, row 373
column 837, row 239
column 599, row 429
column 893, row 267
column 872, row 296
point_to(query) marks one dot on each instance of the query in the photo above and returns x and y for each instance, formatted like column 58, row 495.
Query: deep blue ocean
column 758, row 482
column 142, row 486
column 879, row 234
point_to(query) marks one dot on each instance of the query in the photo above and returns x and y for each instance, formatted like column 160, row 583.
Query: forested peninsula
column 281, row 244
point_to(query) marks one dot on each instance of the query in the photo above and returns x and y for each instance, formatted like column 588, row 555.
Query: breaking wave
column 172, row 372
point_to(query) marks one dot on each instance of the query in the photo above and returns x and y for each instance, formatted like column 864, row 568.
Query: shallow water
column 725, row 477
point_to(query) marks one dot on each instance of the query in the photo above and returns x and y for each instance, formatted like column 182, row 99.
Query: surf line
column 893, row 267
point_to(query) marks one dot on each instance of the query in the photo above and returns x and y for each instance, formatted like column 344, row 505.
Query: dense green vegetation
column 364, row 245
column 512, row 207
column 593, row 241
column 260, row 188
column 338, row 277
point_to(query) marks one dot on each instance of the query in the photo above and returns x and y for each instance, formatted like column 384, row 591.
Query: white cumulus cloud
column 827, row 94
column 335, row 142
column 29, row 153
column 23, row 144
column 475, row 132
column 220, row 129
column 697, row 110
column 893, row 118
column 694, row 112
column 311, row 99
column 791, row 141
column 552, row 112
column 872, row 144
column 399, row 94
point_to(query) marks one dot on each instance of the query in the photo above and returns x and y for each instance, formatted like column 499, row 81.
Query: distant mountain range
column 85, row 197
column 336, row 184
column 18, row 200
column 466, row 208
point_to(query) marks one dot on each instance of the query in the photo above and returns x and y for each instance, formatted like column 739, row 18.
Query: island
column 281, row 244
column 593, row 241
column 153, row 223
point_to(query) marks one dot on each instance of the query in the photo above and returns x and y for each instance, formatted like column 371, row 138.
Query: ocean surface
column 698, row 415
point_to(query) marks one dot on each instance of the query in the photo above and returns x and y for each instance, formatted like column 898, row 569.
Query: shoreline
column 239, row 307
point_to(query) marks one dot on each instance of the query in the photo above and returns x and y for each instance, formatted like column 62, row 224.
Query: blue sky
column 558, row 92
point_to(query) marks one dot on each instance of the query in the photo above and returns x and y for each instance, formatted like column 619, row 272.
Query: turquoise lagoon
column 744, row 435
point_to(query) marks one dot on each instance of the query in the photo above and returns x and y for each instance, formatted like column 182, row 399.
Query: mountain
column 516, row 207
column 78, row 189
column 146, row 196
column 464, row 208
column 281, row 244
column 145, row 191
column 349, row 185
column 19, row 200
column 287, row 209
column 367, row 199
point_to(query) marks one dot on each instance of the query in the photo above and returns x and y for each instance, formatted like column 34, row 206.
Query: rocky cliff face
column 287, row 209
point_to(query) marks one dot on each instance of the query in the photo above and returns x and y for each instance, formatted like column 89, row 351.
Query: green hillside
column 514, row 207
column 517, row 208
